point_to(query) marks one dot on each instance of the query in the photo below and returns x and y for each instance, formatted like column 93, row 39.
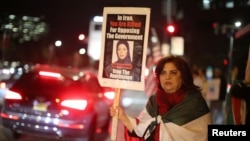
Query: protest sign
column 124, row 28
column 124, row 48
column 213, row 90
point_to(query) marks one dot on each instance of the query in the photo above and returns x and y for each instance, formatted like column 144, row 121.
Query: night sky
column 67, row 19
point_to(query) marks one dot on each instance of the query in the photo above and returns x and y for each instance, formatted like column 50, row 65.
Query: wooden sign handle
column 115, row 118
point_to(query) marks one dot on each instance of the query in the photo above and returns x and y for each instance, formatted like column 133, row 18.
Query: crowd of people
column 213, row 93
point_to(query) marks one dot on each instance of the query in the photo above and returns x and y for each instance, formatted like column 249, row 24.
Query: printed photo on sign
column 124, row 47
column 122, row 62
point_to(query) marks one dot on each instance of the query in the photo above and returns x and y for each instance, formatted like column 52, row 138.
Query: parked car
column 6, row 82
column 57, row 103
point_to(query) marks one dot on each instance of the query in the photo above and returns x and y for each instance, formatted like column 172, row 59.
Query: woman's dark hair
column 182, row 66
column 128, row 58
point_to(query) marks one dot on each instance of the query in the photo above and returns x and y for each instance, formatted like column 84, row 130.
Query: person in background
column 200, row 80
column 238, row 99
column 217, row 106
column 177, row 111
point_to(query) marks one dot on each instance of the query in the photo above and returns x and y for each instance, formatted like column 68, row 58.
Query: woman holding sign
column 177, row 111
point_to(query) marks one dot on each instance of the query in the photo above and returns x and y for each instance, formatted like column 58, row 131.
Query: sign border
column 117, row 83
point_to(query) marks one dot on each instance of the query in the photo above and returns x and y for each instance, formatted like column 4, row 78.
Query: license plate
column 40, row 107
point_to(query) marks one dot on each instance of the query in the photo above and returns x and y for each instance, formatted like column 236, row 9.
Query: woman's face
column 122, row 51
column 170, row 78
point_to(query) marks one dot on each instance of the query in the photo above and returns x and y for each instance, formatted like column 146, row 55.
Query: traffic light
column 225, row 62
column 171, row 29
column 216, row 27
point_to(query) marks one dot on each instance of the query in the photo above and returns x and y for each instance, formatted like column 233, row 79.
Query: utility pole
column 235, row 35
column 230, row 55
column 168, row 11
column 231, row 29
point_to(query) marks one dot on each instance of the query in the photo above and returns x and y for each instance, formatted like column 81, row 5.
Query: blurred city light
column 177, row 45
column 154, row 39
column 82, row 51
column 58, row 43
column 170, row 28
column 98, row 19
column 81, row 37
column 25, row 28
column 237, row 24
column 95, row 37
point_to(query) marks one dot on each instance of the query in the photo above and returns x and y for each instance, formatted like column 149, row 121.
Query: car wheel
column 10, row 134
column 91, row 133
column 91, row 136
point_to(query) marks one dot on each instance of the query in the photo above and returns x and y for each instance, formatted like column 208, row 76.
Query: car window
column 92, row 84
column 95, row 85
column 32, row 81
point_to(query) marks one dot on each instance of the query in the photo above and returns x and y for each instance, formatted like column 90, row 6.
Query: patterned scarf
column 166, row 101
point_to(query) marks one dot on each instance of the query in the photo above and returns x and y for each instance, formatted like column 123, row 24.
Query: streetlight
column 81, row 37
column 82, row 51
column 58, row 43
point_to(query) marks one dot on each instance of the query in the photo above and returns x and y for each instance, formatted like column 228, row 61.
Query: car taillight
column 9, row 116
column 2, row 85
column 109, row 95
column 50, row 74
column 12, row 95
column 75, row 104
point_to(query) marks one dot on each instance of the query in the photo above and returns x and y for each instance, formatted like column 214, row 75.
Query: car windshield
column 36, row 82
